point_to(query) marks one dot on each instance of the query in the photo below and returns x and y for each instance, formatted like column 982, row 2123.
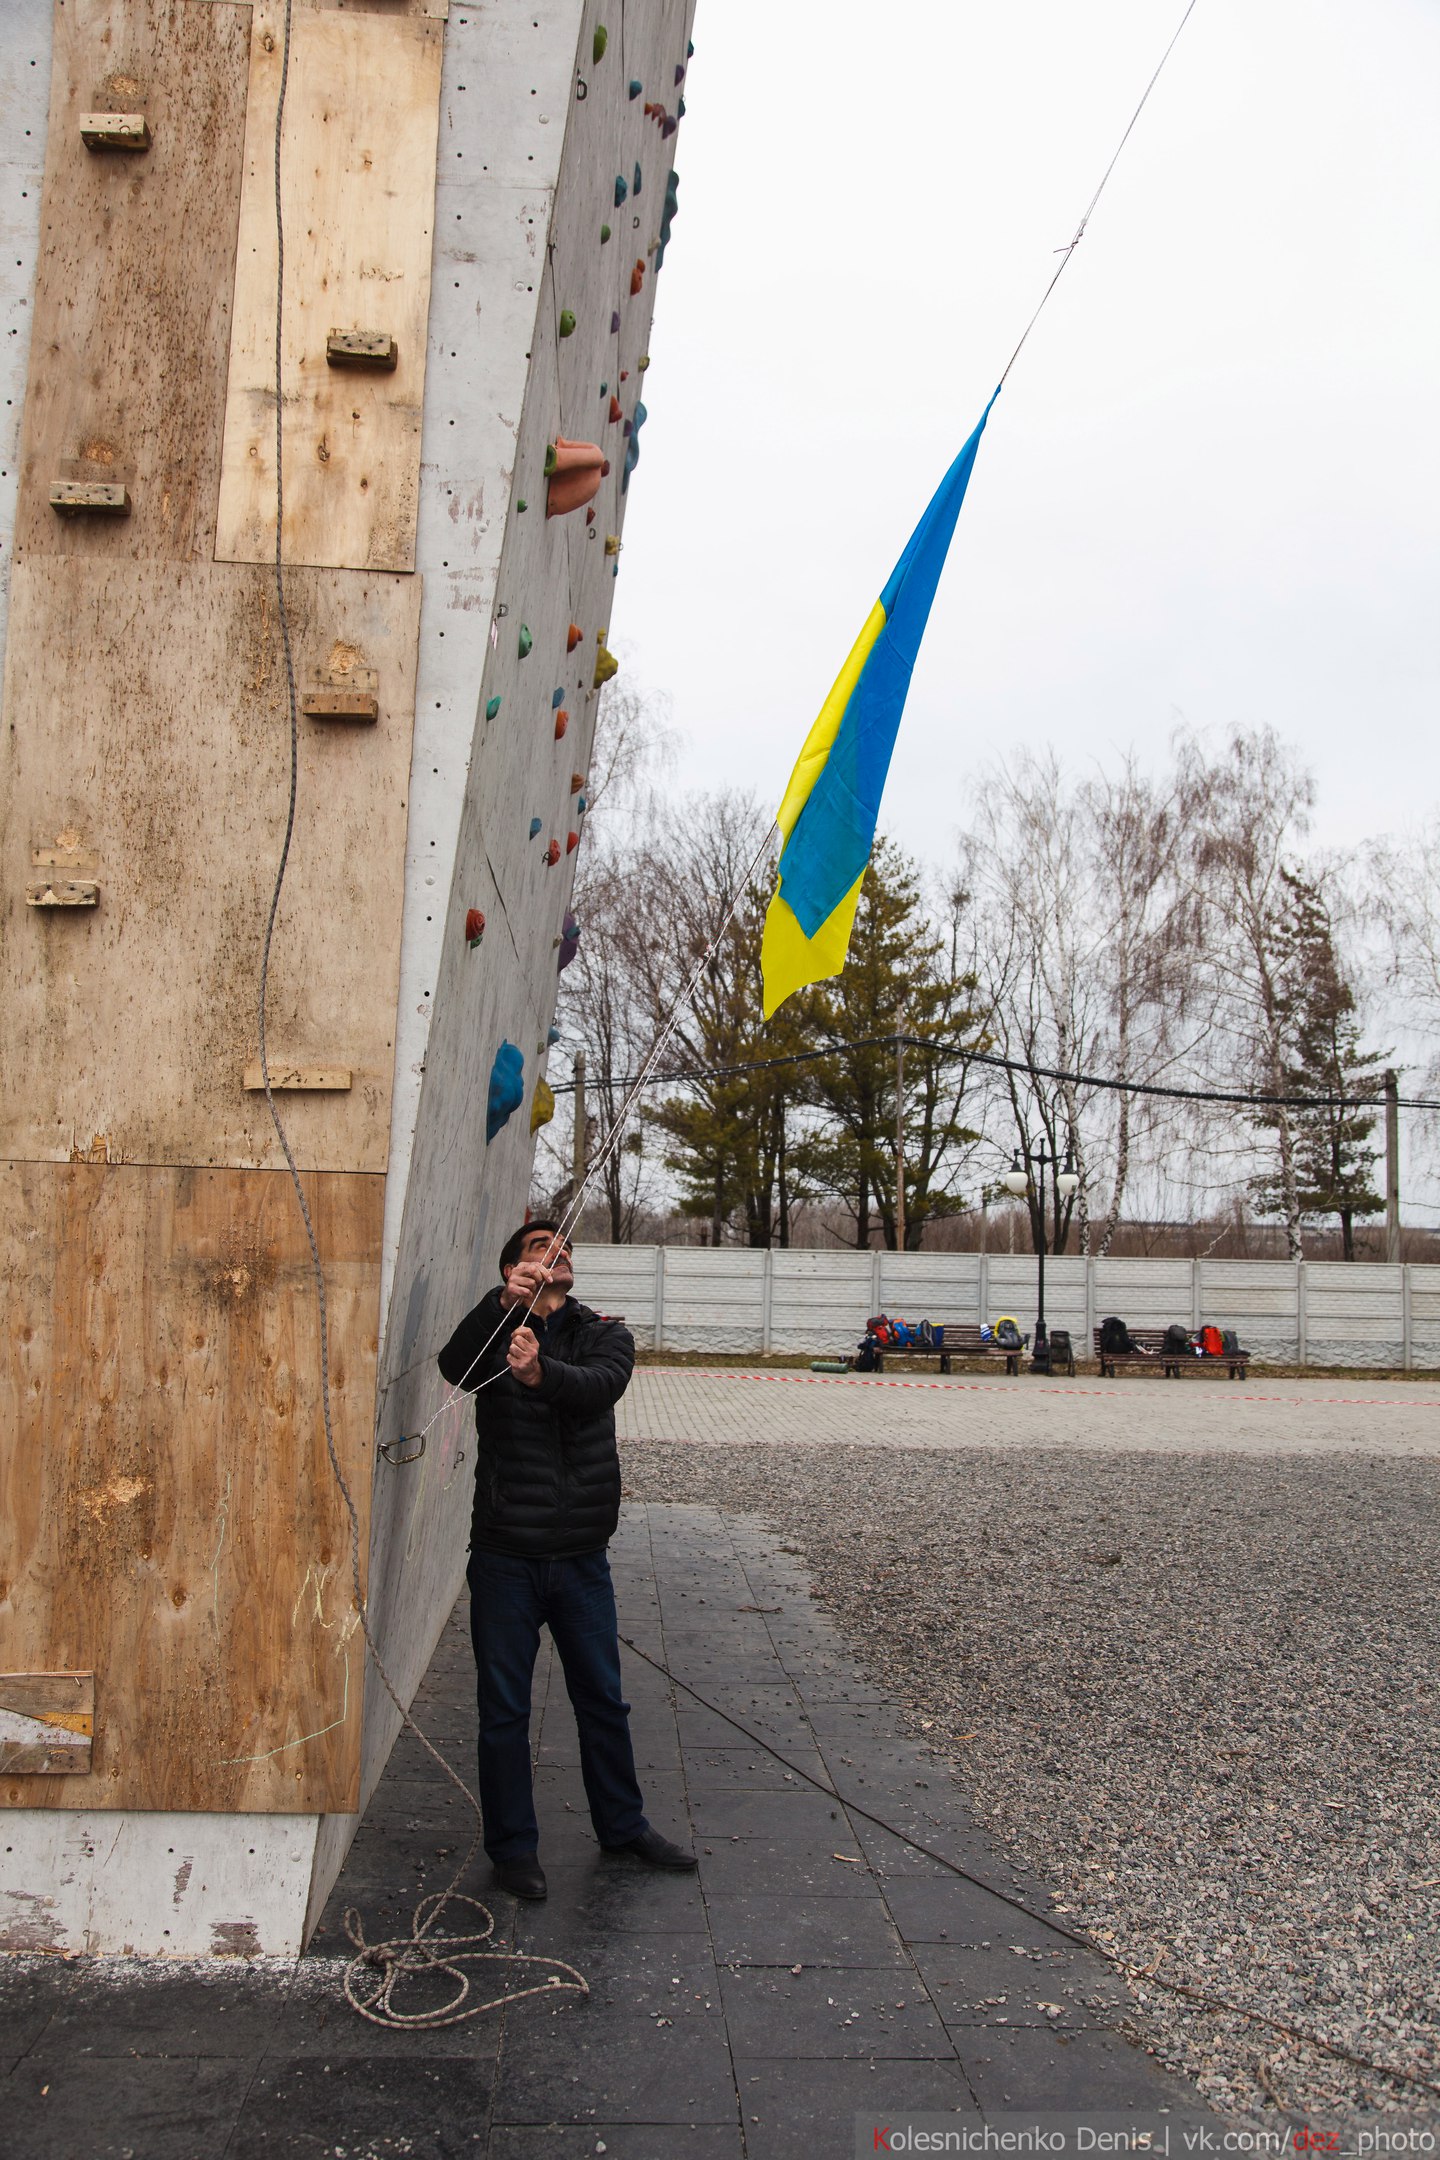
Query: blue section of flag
column 831, row 841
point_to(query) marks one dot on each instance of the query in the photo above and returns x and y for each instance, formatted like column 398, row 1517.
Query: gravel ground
column 1197, row 1693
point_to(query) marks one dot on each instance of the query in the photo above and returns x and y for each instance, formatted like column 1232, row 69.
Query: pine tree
column 1333, row 1160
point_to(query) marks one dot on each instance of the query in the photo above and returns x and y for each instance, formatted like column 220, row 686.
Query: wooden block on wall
column 361, row 349
column 71, row 497
column 361, row 120
column 62, row 893
column 47, row 1722
column 114, row 131
column 340, row 705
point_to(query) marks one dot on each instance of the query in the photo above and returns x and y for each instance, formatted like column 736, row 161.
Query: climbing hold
column 689, row 48
column 507, row 1088
column 542, row 1109
column 553, row 1037
column 635, row 183
column 604, row 234
column 568, row 942
column 492, row 706
column 627, row 429
column 562, row 721
column 605, row 468
column 637, row 276
column 642, row 363
column 557, row 699
column 615, row 322
column 567, row 322
column 552, row 854
column 680, row 108
column 606, row 664
column 598, row 43
column 572, row 841
column 621, row 191
column 522, row 504
column 573, row 636
column 581, row 807
column 614, row 401
column 612, row 547
column 534, row 826
column 679, row 72
column 577, row 781
column 636, row 86
column 575, row 474
column 526, row 641
column 474, row 927
column 667, row 217
column 590, row 514
column 624, row 374
column 667, row 129
column 632, row 448
column 603, row 388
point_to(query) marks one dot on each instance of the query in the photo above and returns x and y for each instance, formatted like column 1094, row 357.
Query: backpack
column 1060, row 1350
column 879, row 1329
column 865, row 1359
column 1114, row 1338
column 1007, row 1333
column 1177, row 1340
column 1212, row 1342
column 1229, row 1343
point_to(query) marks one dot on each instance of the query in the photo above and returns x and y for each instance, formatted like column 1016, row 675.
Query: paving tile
column 32, row 1989
column 965, row 1980
column 622, row 2141
column 1075, row 2070
column 318, row 2021
column 714, row 1770
column 757, row 1929
column 141, row 2008
column 829, row 2013
column 953, row 1910
column 797, row 1812
column 793, row 2108
column 425, row 2105
column 781, row 1868
column 598, row 1893
column 118, row 2108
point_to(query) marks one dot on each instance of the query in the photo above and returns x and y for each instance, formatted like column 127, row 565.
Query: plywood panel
column 132, row 303
column 358, row 164
column 146, row 747
column 167, row 1515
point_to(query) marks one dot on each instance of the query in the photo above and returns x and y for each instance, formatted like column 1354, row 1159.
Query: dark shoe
column 523, row 1878
column 656, row 1851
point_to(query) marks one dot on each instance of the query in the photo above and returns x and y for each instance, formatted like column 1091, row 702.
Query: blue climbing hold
column 621, row 191
column 636, row 86
column 552, row 1038
column 632, row 448
column 557, row 699
column 668, row 216
column 492, row 706
column 680, row 109
column 582, row 806
column 535, row 823
column 507, row 1088
column 636, row 182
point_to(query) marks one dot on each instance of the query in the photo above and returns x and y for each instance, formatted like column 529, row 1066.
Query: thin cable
column 374, row 1972
column 1084, row 1942
column 1068, row 250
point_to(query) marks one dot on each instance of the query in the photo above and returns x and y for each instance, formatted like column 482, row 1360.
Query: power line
column 1030, row 1070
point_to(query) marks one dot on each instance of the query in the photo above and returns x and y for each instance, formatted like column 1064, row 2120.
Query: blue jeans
column 509, row 1599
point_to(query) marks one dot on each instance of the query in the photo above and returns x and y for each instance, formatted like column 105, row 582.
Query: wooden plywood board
column 358, row 164
column 131, row 327
column 146, row 750
column 46, row 1723
column 168, row 1518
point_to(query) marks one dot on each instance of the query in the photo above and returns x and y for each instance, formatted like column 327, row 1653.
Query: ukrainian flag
column 828, row 817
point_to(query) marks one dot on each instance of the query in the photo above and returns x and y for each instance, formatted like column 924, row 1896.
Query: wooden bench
column 1150, row 1351
column 962, row 1340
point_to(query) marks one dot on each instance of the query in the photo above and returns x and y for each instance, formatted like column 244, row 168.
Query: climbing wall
column 476, row 206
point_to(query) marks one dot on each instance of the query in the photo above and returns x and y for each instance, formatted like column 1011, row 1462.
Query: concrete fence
column 1310, row 1312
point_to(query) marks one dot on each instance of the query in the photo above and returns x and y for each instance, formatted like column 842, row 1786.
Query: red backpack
column 1212, row 1342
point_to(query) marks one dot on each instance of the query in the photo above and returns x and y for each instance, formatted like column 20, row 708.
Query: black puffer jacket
column 547, row 1475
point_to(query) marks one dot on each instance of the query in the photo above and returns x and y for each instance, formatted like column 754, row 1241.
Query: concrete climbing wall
column 171, row 1543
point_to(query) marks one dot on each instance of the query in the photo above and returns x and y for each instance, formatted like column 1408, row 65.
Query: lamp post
column 1037, row 1157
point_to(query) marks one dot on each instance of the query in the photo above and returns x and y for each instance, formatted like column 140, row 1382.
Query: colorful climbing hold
column 552, row 854
column 668, row 126
column 615, row 409
column 679, row 72
column 522, row 504
column 474, row 927
column 567, row 322
column 627, row 429
column 542, row 1106
column 603, row 388
column 668, row 216
column 636, row 181
column 572, row 841
column 492, row 706
column 575, row 470
column 624, row 374
column 525, row 641
column 598, row 43
column 562, row 721
column 636, row 86
column 632, row 448
column 553, row 1037
column 535, row 823
column 568, row 942
column 604, row 234
column 557, row 699
column 605, row 468
column 612, row 547
column 577, row 781
column 689, row 48
column 615, row 322
column 606, row 664
column 507, row 1088
column 621, row 191
column 581, row 806
column 642, row 363
column 573, row 636
column 637, row 276
column 590, row 514
column 680, row 108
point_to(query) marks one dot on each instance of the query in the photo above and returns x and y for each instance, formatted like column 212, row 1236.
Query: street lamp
column 1017, row 1180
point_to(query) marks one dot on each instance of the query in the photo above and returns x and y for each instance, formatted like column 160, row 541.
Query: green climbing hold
column 642, row 363
column 522, row 504
column 636, row 181
column 526, row 641
column 604, row 389
column 492, row 706
column 550, row 459
column 598, row 43
column 567, row 322
column 604, row 234
column 636, row 86
column 621, row 191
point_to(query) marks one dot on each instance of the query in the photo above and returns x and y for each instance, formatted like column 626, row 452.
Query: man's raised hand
column 525, row 1282
column 523, row 1355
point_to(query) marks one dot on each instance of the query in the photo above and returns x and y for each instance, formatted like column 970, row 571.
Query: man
column 547, row 1499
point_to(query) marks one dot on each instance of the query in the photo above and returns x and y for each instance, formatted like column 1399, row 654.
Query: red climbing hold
column 573, row 637
column 572, row 841
column 605, row 469
column 590, row 514
column 637, row 276
column 575, row 475
column 475, row 922
column 562, row 721
column 615, row 406
column 552, row 853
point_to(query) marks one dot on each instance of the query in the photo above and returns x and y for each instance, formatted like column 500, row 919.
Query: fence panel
column 1354, row 1314
column 714, row 1300
column 1260, row 1300
column 819, row 1301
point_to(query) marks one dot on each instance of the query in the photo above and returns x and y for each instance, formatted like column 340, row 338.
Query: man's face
column 536, row 1245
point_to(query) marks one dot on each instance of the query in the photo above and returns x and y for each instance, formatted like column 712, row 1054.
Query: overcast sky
column 1210, row 487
